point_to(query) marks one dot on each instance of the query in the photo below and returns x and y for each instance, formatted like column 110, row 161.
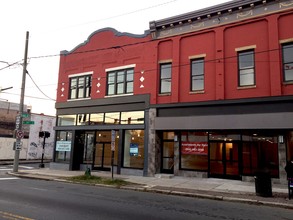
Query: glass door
column 224, row 160
column 103, row 156
column 168, row 157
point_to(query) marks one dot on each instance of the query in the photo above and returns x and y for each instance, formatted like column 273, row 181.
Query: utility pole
column 19, row 128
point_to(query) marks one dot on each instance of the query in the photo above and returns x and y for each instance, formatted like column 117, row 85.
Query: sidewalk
column 210, row 188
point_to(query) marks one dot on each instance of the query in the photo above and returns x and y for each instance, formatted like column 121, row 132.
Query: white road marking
column 26, row 167
column 9, row 178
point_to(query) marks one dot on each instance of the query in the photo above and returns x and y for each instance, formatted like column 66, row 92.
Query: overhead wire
column 39, row 87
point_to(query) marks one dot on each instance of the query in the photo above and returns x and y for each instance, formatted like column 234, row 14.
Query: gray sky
column 56, row 25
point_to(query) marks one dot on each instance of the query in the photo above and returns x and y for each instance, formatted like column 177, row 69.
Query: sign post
column 113, row 133
column 21, row 103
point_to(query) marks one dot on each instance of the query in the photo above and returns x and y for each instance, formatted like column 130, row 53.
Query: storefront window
column 63, row 146
column 223, row 136
column 83, row 119
column 64, row 120
column 136, row 117
column 97, row 119
column 112, row 118
column 88, row 148
column 194, row 151
column 133, row 149
column 260, row 153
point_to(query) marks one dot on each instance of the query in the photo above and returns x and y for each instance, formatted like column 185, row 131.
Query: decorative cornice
column 116, row 33
column 225, row 13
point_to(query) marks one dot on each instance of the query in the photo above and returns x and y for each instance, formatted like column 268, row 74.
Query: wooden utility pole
column 18, row 144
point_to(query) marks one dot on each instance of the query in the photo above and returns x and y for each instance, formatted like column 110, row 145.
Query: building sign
column 63, row 146
column 195, row 148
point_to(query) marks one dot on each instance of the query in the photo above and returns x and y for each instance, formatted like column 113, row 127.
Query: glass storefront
column 229, row 154
column 194, row 151
column 260, row 153
column 130, row 117
column 133, row 156
column 63, row 146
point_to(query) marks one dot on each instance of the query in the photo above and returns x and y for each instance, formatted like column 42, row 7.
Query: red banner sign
column 197, row 148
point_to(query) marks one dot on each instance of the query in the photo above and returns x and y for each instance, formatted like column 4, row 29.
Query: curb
column 161, row 191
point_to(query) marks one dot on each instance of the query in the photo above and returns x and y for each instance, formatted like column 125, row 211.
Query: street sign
column 19, row 134
column 25, row 115
column 17, row 122
column 28, row 122
column 17, row 145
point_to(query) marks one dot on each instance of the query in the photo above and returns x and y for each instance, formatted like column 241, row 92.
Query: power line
column 123, row 14
column 39, row 87
column 33, row 97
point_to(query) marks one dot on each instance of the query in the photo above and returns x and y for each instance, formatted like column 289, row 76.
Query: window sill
column 246, row 87
column 287, row 83
column 111, row 96
column 73, row 100
column 164, row 94
column 196, row 92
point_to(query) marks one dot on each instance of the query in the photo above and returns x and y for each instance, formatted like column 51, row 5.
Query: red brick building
column 208, row 93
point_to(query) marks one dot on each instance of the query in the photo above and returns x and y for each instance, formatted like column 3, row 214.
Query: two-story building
column 207, row 93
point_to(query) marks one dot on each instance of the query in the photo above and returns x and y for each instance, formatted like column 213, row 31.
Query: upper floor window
column 246, row 72
column 197, row 74
column 120, row 82
column 165, row 78
column 80, row 87
column 288, row 62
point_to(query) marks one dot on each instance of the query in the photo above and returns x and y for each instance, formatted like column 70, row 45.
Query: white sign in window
column 63, row 146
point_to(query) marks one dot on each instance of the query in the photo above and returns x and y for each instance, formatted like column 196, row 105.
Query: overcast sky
column 56, row 25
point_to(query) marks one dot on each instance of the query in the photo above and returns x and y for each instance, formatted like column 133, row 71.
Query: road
column 29, row 199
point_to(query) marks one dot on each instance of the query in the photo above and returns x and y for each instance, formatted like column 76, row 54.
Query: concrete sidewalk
column 211, row 188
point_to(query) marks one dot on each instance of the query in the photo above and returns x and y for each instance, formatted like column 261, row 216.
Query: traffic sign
column 17, row 122
column 28, row 122
column 25, row 115
column 19, row 134
column 17, row 145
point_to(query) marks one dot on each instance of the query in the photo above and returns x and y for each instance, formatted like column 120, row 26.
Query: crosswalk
column 10, row 168
column 7, row 168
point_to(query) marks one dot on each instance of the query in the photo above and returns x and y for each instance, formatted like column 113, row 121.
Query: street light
column 4, row 90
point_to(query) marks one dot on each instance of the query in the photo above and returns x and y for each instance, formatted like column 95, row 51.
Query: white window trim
column 78, row 99
column 245, row 48
column 120, row 67
column 165, row 61
column 289, row 40
column 197, row 56
column 111, row 96
column 81, row 74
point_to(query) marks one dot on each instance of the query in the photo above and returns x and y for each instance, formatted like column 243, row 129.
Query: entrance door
column 224, row 162
column 168, row 157
column 103, row 155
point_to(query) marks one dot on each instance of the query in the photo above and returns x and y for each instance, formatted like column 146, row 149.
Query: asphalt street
column 37, row 199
